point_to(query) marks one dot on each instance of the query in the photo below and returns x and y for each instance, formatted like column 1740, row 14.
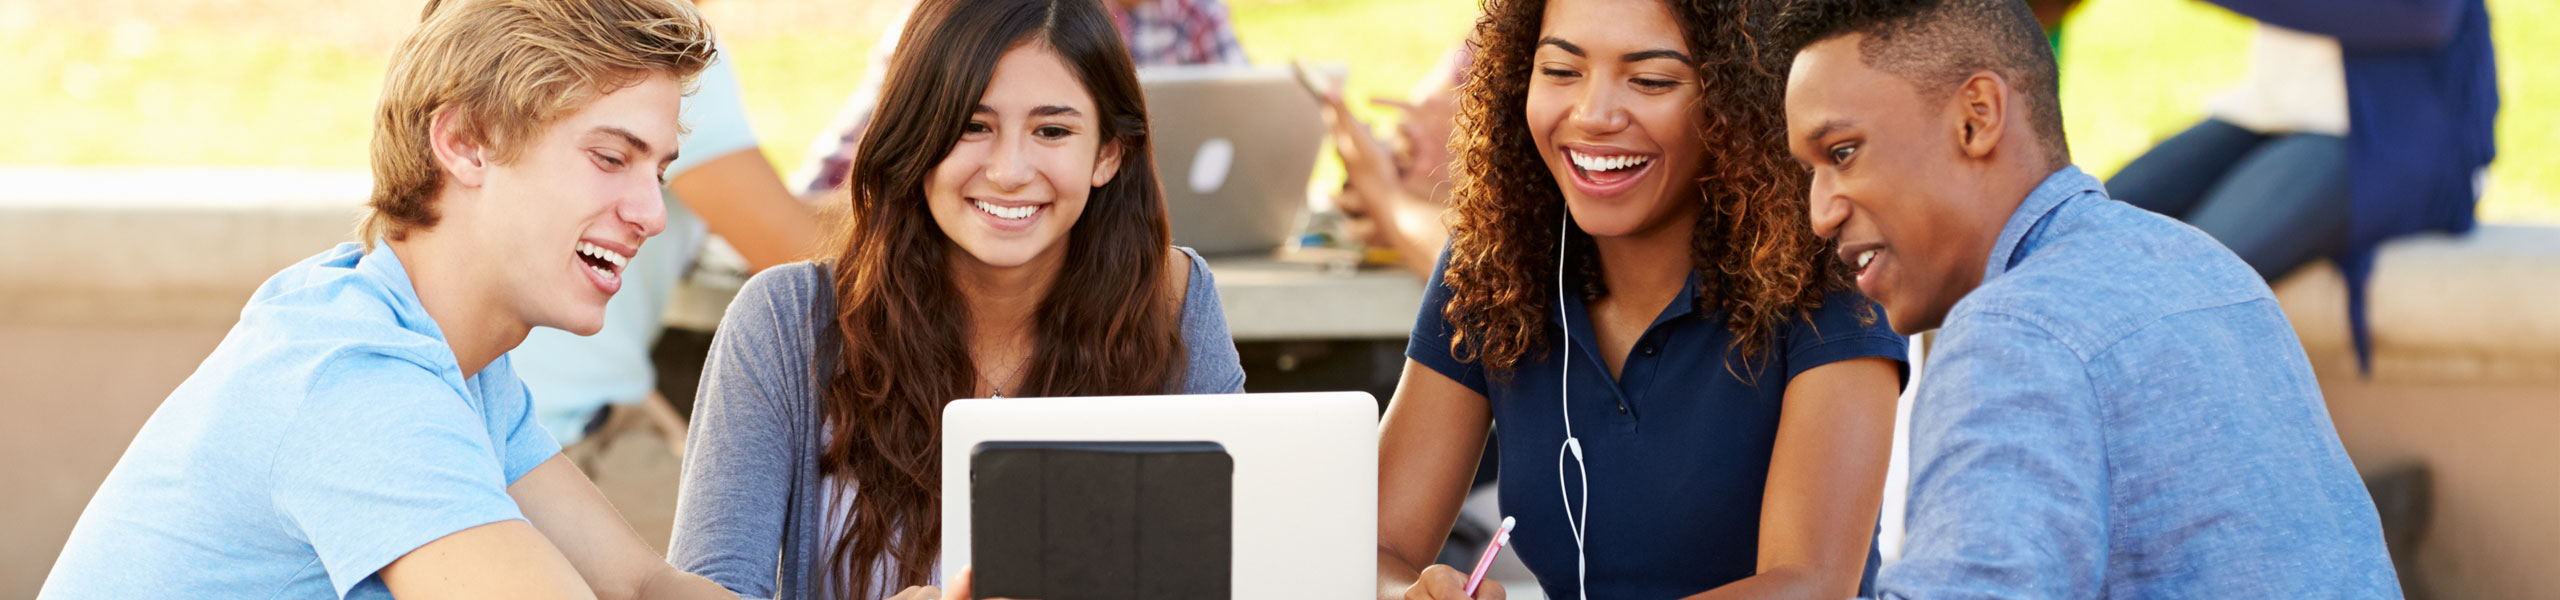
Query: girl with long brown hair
column 1008, row 239
column 1689, row 399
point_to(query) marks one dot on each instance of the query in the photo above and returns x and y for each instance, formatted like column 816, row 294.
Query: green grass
column 2126, row 87
column 794, row 83
column 1388, row 45
column 166, row 87
column 95, row 96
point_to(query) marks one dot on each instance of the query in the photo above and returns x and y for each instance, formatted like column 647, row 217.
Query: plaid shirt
column 1157, row 32
column 1178, row 32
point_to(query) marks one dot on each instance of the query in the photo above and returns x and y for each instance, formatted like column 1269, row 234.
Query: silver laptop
column 1304, row 496
column 1234, row 147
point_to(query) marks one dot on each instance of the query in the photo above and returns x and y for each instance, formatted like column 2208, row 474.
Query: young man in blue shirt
column 360, row 432
column 2115, row 406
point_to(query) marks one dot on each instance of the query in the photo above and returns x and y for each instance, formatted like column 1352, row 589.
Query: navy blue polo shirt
column 1677, row 447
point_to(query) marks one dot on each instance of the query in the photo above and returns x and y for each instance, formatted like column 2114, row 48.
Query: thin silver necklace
column 999, row 388
column 1008, row 375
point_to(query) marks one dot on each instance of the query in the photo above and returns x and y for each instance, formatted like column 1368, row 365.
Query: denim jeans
column 2279, row 201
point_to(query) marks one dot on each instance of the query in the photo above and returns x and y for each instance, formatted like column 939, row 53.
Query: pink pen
column 1501, row 537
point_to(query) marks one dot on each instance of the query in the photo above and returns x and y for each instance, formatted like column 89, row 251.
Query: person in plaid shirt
column 1158, row 32
column 1176, row 32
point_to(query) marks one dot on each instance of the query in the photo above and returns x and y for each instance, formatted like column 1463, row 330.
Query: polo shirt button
column 1622, row 408
column 1648, row 351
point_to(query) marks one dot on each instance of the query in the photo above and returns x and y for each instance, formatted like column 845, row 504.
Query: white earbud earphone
column 1575, row 519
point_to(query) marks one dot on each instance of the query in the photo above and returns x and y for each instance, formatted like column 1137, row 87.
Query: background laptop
column 1301, row 515
column 1235, row 147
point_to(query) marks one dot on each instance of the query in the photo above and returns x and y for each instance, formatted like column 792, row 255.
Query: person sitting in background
column 1395, row 195
column 360, row 433
column 2360, row 121
column 2114, row 404
column 1157, row 33
column 720, row 183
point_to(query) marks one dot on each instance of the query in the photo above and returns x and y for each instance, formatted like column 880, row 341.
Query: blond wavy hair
column 506, row 69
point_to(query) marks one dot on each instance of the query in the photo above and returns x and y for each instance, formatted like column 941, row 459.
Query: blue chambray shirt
column 2122, row 410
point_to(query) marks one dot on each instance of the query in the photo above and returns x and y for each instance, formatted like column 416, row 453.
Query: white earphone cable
column 1575, row 519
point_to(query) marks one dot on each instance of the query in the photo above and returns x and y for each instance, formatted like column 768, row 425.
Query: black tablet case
column 1101, row 520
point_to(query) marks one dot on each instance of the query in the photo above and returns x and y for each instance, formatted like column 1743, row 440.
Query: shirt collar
column 1683, row 304
column 2060, row 186
column 383, row 264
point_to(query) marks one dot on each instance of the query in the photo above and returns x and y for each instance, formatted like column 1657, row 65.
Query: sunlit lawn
column 291, row 83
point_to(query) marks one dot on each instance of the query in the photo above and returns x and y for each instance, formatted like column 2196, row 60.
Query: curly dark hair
column 1754, row 250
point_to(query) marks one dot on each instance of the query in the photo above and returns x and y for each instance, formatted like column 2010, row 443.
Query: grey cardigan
column 749, row 513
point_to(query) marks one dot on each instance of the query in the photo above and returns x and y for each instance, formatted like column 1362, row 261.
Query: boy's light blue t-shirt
column 330, row 433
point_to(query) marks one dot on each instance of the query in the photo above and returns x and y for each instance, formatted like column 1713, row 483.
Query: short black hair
column 1936, row 44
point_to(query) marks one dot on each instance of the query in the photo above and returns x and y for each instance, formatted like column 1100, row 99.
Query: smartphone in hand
column 1315, row 82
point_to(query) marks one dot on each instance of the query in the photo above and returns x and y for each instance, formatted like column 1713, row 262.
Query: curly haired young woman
column 1631, row 295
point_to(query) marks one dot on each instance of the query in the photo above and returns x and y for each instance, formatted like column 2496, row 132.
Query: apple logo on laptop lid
column 1210, row 164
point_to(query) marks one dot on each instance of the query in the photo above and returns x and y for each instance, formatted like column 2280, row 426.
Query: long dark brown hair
column 1753, row 249
column 1107, row 326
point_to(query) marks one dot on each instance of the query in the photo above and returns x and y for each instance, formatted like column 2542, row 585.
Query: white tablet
column 1302, row 512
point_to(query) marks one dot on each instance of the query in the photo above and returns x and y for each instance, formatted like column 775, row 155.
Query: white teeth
column 1605, row 163
column 599, row 252
column 1864, row 258
column 600, row 272
column 1006, row 212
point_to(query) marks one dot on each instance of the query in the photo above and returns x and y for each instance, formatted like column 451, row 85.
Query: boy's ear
column 1981, row 104
column 459, row 154
column 1106, row 164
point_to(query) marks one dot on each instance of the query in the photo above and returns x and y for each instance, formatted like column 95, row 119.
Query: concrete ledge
column 2493, row 526
column 2479, row 309
column 160, row 246
column 141, row 246
column 186, row 247
column 1269, row 299
column 2465, row 380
